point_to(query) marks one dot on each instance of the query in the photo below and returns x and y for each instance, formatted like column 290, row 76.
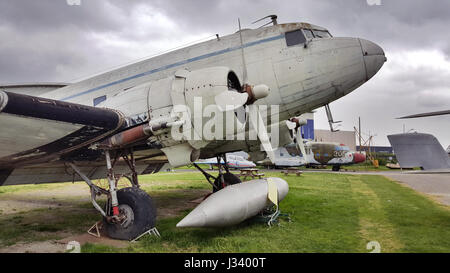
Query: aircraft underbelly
column 56, row 174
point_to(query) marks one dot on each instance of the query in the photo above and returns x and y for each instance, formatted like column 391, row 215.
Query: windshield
column 321, row 34
column 308, row 34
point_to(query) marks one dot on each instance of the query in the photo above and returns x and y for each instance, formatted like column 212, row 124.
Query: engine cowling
column 215, row 99
column 201, row 94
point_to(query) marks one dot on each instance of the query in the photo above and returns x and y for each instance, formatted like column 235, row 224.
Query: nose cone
column 374, row 57
column 359, row 158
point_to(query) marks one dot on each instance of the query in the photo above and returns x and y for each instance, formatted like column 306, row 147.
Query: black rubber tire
column 144, row 214
column 336, row 168
column 228, row 178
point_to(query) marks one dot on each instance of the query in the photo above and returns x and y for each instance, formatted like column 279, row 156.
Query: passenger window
column 308, row 33
column 99, row 100
column 295, row 38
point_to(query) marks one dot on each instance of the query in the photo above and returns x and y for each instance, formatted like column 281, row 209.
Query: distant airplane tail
column 419, row 150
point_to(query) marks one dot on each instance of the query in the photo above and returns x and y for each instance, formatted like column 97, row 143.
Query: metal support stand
column 97, row 226
column 219, row 165
column 210, row 177
column 152, row 231
column 207, row 175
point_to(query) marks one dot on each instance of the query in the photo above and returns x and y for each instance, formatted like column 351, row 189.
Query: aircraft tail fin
column 419, row 150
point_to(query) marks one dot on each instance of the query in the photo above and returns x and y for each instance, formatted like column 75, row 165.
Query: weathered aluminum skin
column 300, row 79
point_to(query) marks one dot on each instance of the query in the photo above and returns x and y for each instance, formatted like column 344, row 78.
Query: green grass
column 43, row 225
column 24, row 188
column 329, row 213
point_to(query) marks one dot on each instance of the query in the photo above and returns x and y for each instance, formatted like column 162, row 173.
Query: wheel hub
column 126, row 215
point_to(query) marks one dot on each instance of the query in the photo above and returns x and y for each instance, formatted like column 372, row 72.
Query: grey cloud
column 396, row 25
column 47, row 40
column 48, row 15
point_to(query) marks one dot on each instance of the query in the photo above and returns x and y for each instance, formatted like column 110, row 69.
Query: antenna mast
column 273, row 20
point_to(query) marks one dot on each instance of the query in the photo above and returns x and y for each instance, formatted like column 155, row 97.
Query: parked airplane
column 283, row 159
column 317, row 154
column 233, row 161
column 127, row 121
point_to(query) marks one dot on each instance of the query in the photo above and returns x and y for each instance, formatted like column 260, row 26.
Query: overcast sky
column 49, row 40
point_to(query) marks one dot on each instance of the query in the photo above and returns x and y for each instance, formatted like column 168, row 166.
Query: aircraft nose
column 359, row 157
column 374, row 57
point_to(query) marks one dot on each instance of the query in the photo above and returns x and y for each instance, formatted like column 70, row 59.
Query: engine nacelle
column 197, row 94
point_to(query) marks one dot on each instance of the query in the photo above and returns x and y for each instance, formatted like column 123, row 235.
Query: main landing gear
column 224, row 178
column 129, row 212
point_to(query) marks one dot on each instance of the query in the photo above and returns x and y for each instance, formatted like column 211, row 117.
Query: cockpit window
column 308, row 33
column 295, row 37
column 321, row 34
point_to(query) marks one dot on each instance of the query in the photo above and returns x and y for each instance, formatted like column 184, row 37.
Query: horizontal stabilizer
column 419, row 150
column 429, row 114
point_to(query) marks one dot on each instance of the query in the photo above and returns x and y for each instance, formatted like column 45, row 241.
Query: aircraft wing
column 36, row 130
column 429, row 114
column 419, row 150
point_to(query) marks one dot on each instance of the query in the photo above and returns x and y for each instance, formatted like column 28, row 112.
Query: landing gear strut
column 336, row 168
column 129, row 212
column 223, row 179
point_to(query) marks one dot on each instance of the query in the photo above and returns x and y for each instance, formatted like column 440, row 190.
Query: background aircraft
column 127, row 121
column 317, row 154
column 233, row 161
column 420, row 150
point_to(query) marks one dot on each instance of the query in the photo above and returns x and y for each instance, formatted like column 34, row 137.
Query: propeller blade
column 230, row 100
column 430, row 114
column 258, row 124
